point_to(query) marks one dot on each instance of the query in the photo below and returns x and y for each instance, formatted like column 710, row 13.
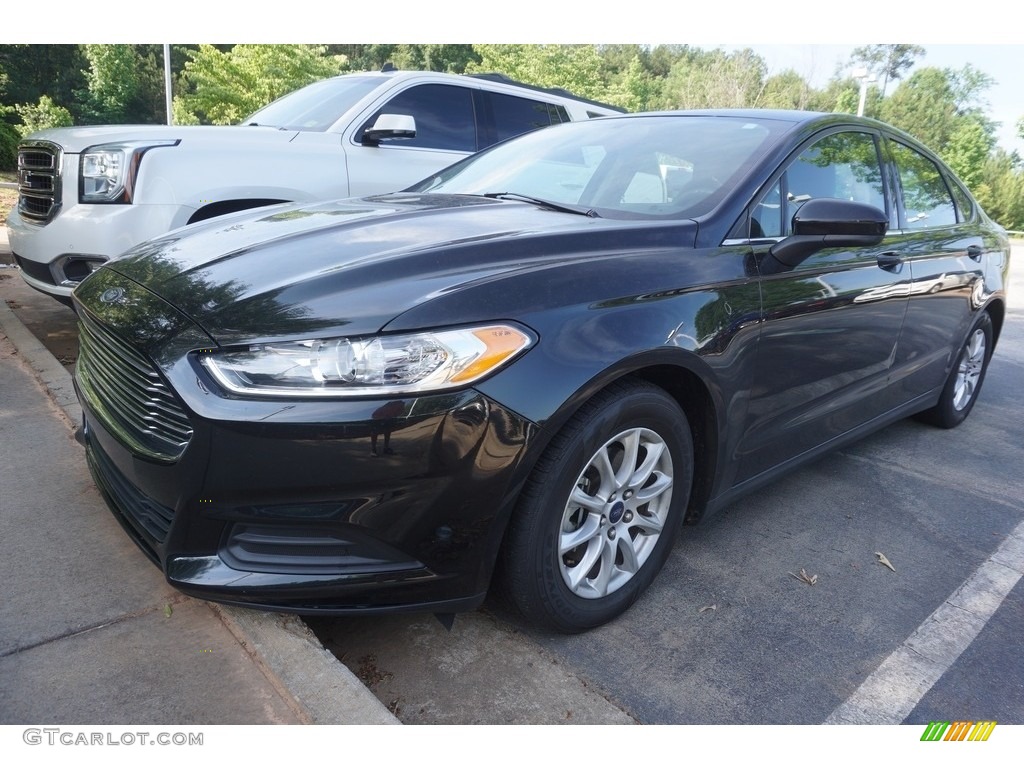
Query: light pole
column 862, row 74
column 167, row 84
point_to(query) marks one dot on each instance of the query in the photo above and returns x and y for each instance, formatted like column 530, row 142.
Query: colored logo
column 961, row 730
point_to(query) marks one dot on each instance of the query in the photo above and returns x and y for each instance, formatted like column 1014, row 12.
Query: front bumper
column 54, row 257
column 345, row 506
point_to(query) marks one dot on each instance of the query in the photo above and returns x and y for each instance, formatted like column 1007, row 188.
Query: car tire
column 601, row 510
column 964, row 383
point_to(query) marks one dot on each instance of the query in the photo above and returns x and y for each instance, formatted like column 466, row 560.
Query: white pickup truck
column 87, row 194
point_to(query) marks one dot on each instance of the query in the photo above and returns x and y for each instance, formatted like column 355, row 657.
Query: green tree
column 436, row 57
column 841, row 94
column 44, row 114
column 224, row 87
column 576, row 68
column 969, row 146
column 1001, row 189
column 714, row 78
column 57, row 71
column 932, row 103
column 635, row 90
column 786, row 90
column 112, row 84
column 887, row 62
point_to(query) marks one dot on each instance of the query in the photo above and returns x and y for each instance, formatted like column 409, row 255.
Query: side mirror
column 390, row 127
column 826, row 222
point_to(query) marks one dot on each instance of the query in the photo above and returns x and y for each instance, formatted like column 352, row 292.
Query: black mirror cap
column 829, row 216
column 830, row 223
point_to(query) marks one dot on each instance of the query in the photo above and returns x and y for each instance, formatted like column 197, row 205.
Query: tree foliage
column 44, row 114
column 944, row 108
column 574, row 67
column 112, row 84
column 702, row 79
column 887, row 62
column 223, row 87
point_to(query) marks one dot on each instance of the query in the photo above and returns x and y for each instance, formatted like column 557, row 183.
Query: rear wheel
column 600, row 512
column 964, row 383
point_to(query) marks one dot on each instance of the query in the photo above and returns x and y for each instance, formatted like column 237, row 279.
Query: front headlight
column 369, row 367
column 107, row 172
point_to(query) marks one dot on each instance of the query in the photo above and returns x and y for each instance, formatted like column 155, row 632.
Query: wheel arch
column 222, row 207
column 997, row 311
column 680, row 376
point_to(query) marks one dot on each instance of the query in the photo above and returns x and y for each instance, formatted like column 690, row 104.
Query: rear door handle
column 974, row 251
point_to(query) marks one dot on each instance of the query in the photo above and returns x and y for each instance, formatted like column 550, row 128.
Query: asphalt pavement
column 90, row 633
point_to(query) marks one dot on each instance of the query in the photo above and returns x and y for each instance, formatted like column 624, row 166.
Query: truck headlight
column 107, row 172
column 369, row 366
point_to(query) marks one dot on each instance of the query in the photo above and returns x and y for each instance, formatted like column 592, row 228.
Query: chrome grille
column 39, row 193
column 128, row 394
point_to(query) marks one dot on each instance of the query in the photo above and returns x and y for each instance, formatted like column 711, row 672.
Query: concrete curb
column 324, row 691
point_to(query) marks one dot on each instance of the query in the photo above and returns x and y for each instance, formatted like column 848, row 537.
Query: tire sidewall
column 650, row 409
column 947, row 415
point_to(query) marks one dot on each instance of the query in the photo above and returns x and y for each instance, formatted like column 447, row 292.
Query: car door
column 830, row 325
column 943, row 247
column 446, row 132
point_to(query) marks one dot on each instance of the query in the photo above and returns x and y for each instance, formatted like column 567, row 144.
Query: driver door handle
column 889, row 260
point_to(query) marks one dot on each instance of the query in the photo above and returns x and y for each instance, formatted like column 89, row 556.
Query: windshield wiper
column 580, row 211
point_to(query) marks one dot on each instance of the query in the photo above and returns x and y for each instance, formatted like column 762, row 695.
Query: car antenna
column 389, row 67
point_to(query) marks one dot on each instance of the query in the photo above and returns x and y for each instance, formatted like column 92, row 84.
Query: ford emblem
column 112, row 296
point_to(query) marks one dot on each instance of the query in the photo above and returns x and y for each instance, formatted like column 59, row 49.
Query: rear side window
column 514, row 115
column 963, row 203
column 444, row 115
column 927, row 201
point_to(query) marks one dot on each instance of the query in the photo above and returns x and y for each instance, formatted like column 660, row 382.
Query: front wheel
column 598, row 516
column 964, row 383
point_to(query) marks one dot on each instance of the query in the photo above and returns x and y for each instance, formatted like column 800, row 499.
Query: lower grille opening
column 309, row 549
column 150, row 519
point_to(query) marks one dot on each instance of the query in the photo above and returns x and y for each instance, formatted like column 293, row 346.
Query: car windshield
column 652, row 166
column 316, row 107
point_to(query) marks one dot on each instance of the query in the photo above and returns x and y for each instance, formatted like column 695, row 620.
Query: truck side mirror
column 390, row 127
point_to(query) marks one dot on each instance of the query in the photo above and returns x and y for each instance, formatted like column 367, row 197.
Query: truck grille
column 129, row 396
column 39, row 186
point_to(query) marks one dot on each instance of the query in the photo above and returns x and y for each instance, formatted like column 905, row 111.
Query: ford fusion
column 531, row 369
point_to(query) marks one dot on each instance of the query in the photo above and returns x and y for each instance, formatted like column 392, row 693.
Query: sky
column 811, row 38
column 1003, row 62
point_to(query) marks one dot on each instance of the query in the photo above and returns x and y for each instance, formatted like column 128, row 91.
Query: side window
column 444, row 117
column 841, row 165
column 514, row 115
column 927, row 201
column 766, row 219
column 963, row 203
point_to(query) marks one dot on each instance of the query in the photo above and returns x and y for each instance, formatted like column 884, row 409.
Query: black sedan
column 533, row 368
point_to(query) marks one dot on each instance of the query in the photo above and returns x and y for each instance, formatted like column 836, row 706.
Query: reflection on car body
column 534, row 365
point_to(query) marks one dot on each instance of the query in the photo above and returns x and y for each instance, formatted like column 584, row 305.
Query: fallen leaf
column 883, row 560
column 709, row 608
column 806, row 579
column 168, row 610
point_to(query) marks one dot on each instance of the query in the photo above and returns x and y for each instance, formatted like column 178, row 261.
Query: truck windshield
column 316, row 107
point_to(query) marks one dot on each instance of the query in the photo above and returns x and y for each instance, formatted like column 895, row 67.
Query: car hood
column 74, row 140
column 349, row 267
